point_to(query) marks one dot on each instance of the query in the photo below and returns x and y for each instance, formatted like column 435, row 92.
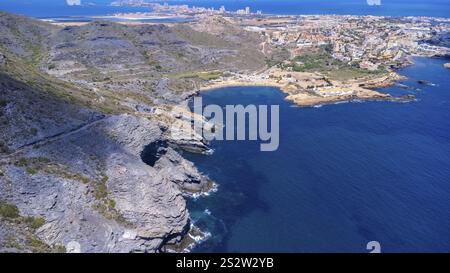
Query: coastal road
column 55, row 137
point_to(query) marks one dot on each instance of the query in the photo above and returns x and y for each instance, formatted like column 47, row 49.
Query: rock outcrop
column 95, row 192
column 80, row 168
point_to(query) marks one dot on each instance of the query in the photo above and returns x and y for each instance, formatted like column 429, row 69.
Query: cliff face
column 95, row 192
column 73, row 172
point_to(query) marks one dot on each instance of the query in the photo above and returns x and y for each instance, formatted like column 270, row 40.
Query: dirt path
column 51, row 138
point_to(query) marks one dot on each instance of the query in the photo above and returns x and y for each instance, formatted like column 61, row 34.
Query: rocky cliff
column 87, row 165
column 95, row 192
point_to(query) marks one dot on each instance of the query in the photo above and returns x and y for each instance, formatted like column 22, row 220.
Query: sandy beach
column 338, row 92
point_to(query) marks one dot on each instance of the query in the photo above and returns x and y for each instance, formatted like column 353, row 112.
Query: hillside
column 73, row 143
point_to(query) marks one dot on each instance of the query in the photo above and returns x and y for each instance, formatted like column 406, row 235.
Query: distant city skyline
column 58, row 8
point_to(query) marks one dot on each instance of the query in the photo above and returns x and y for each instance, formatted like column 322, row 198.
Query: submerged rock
column 425, row 82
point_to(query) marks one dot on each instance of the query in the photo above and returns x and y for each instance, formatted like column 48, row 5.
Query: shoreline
column 304, row 89
column 188, row 241
column 304, row 98
column 412, row 79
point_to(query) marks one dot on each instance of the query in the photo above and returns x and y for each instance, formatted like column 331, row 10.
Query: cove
column 344, row 174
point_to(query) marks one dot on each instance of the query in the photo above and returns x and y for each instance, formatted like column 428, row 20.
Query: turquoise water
column 344, row 175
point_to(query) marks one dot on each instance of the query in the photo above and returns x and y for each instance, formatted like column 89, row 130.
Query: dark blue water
column 58, row 8
column 344, row 175
column 433, row 8
column 59, row 11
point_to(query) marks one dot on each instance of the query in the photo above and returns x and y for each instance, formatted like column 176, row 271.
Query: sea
column 344, row 174
column 59, row 9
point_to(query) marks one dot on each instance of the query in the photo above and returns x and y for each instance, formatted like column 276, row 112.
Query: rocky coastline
column 340, row 91
column 144, row 206
column 94, row 121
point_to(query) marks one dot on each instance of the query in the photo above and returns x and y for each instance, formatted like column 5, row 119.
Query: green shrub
column 271, row 62
column 31, row 171
column 105, row 179
column 9, row 211
column 42, row 160
column 36, row 244
column 22, row 162
column 101, row 191
column 111, row 204
column 35, row 222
